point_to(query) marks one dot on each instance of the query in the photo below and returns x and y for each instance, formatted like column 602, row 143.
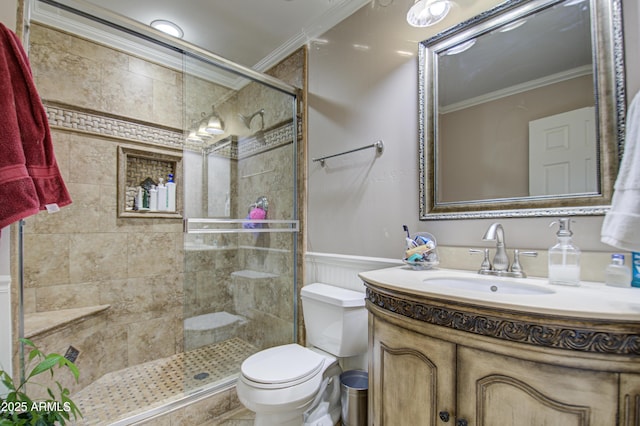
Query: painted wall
column 499, row 130
column 8, row 10
column 360, row 90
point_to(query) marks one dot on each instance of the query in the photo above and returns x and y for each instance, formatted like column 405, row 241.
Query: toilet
column 292, row 385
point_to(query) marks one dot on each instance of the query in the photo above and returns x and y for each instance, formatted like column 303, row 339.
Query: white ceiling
column 260, row 33
column 253, row 33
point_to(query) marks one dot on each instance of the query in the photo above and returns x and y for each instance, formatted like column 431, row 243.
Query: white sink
column 484, row 285
column 531, row 294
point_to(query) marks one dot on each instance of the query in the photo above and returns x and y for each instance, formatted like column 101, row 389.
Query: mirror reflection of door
column 562, row 154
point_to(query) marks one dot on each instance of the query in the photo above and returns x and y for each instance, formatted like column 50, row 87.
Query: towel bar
column 379, row 145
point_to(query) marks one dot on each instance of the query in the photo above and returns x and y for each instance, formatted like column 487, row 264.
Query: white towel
column 621, row 226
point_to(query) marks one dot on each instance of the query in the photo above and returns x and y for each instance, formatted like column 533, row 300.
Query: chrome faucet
column 496, row 233
column 500, row 266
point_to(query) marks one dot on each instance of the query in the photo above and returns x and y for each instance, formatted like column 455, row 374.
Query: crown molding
column 311, row 30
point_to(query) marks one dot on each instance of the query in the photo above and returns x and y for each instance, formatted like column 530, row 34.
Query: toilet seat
column 282, row 366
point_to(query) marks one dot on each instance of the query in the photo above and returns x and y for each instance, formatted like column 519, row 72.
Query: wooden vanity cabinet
column 505, row 390
column 629, row 399
column 412, row 381
column 427, row 374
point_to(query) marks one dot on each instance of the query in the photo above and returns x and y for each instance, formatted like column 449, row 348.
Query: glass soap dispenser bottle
column 564, row 257
column 617, row 274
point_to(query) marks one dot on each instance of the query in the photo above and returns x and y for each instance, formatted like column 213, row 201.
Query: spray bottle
column 635, row 268
column 564, row 257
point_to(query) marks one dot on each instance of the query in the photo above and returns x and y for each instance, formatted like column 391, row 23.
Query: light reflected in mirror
column 510, row 125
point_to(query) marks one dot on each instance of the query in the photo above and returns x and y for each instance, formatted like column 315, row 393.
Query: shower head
column 246, row 119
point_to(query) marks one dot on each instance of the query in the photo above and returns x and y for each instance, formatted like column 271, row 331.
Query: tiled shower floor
column 143, row 387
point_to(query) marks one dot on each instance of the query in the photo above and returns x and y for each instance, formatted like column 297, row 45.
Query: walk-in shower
column 162, row 306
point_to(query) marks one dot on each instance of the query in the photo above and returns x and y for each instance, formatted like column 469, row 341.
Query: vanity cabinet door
column 630, row 400
column 506, row 391
column 411, row 378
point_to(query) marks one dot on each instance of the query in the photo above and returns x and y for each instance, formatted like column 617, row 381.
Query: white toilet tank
column 335, row 319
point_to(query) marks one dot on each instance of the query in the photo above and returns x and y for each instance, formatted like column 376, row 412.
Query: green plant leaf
column 46, row 365
column 7, row 381
column 72, row 367
column 37, row 417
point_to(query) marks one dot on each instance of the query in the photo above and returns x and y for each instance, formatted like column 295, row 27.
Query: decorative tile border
column 107, row 126
column 539, row 334
column 67, row 118
column 273, row 138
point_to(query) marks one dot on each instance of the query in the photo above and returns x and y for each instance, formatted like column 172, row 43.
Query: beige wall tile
column 94, row 160
column 46, row 260
column 167, row 104
column 166, row 294
column 53, row 298
column 107, row 207
column 149, row 340
column 61, row 73
column 129, row 300
column 97, row 257
column 155, row 71
column 127, row 94
column 151, row 254
column 61, row 150
column 29, row 297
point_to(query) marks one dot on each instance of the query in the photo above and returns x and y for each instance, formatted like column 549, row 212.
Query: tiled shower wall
column 85, row 255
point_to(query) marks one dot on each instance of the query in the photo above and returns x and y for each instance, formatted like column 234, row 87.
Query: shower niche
column 143, row 183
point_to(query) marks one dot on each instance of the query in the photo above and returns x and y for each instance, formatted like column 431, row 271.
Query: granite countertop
column 590, row 300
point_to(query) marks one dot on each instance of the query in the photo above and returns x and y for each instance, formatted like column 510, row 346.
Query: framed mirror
column 522, row 111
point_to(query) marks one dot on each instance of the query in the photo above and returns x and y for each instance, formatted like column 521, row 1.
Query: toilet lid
column 282, row 364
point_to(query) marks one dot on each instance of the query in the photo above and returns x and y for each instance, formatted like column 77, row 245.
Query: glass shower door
column 241, row 225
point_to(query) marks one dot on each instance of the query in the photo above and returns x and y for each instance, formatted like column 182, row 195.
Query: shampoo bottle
column 153, row 198
column 162, row 196
column 142, row 200
column 171, row 194
column 564, row 257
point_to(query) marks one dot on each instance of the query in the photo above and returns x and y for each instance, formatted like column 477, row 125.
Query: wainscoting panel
column 342, row 270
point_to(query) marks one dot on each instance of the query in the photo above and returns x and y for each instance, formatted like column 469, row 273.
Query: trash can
column 354, row 385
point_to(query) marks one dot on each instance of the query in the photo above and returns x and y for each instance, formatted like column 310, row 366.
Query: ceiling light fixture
column 167, row 27
column 206, row 127
column 425, row 13
column 215, row 125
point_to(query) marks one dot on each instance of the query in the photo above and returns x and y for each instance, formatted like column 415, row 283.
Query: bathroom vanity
column 453, row 347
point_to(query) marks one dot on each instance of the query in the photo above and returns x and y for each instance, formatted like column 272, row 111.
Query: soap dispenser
column 564, row 257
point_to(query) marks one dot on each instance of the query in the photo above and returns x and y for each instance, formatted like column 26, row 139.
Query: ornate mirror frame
column 609, row 93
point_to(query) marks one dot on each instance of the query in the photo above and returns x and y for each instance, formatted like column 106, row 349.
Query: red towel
column 29, row 176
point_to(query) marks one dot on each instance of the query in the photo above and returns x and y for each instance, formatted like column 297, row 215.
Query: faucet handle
column 486, row 264
column 516, row 267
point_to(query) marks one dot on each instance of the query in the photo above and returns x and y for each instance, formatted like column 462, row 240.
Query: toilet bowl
column 292, row 385
column 280, row 384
